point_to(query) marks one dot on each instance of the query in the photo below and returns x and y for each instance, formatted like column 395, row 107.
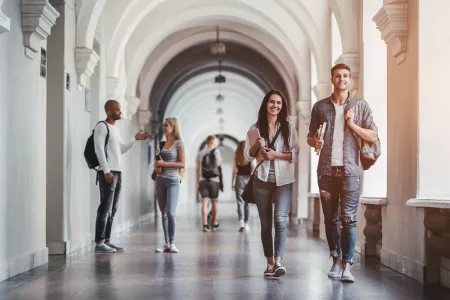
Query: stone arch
column 87, row 20
column 345, row 12
column 167, row 51
column 147, row 46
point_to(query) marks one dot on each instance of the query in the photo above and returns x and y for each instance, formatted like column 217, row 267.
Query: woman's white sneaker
column 166, row 248
column 347, row 275
column 174, row 249
column 269, row 271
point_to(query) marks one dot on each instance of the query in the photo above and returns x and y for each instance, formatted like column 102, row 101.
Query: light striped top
column 170, row 155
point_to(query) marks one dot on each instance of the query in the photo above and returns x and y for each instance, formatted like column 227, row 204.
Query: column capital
column 391, row 20
column 5, row 22
column 38, row 18
column 133, row 103
column 85, row 62
column 144, row 117
column 113, row 87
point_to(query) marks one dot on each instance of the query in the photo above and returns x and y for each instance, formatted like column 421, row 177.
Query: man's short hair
column 108, row 104
column 210, row 138
column 339, row 67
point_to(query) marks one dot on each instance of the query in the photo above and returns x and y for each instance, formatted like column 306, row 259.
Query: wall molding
column 5, row 22
column 22, row 263
column 38, row 18
column 391, row 20
column 429, row 203
column 401, row 264
column 85, row 62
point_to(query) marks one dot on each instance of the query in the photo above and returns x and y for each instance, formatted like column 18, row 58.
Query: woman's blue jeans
column 167, row 190
column 243, row 208
column 267, row 193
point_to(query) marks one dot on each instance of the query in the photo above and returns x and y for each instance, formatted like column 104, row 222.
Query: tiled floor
column 215, row 265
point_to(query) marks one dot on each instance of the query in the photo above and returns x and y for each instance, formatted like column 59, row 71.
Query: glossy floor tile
column 218, row 265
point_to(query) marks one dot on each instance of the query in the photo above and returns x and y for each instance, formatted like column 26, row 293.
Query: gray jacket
column 323, row 111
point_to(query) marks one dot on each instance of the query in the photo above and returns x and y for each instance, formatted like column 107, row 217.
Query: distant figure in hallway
column 278, row 148
column 208, row 183
column 242, row 169
column 169, row 169
column 109, row 174
column 348, row 119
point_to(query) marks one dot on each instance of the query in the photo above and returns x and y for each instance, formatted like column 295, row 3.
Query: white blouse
column 284, row 170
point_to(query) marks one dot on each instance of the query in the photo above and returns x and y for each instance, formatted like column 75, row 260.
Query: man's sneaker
column 347, row 274
column 247, row 227
column 118, row 249
column 215, row 226
column 335, row 271
column 103, row 248
column 269, row 271
column 278, row 270
column 166, row 248
column 241, row 226
column 173, row 248
column 206, row 228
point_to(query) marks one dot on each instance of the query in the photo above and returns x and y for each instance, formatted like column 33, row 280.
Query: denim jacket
column 284, row 170
column 324, row 111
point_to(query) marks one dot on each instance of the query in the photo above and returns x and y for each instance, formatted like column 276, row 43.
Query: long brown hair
column 282, row 118
column 239, row 154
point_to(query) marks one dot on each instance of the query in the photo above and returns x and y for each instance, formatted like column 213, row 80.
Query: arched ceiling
column 134, row 28
column 197, row 60
column 182, row 40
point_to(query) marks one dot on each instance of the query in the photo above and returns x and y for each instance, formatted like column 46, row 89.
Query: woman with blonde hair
column 242, row 169
column 169, row 167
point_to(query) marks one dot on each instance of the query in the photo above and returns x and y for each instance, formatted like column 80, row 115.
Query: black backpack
column 209, row 165
column 89, row 149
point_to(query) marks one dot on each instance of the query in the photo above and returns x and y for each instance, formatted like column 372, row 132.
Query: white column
column 434, row 63
column 304, row 159
column 374, row 91
column 403, row 241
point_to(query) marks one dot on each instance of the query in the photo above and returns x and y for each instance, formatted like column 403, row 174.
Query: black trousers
column 109, row 200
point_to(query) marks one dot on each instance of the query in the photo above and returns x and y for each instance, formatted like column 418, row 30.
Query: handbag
column 158, row 157
column 247, row 193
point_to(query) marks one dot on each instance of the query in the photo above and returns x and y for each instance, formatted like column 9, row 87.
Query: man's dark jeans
column 336, row 190
column 109, row 199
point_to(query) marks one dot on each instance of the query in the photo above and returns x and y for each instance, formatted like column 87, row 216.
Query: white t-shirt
column 337, row 151
column 115, row 147
column 202, row 153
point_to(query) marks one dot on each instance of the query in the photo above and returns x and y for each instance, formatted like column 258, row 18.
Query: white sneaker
column 335, row 271
column 103, row 248
column 174, row 248
column 347, row 275
column 166, row 248
column 241, row 225
column 247, row 227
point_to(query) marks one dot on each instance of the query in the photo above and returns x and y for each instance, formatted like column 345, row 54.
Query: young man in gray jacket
column 339, row 168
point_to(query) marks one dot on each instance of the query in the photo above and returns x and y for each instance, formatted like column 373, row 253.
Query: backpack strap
column 352, row 102
column 107, row 138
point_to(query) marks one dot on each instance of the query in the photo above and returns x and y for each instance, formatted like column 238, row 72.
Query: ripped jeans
column 339, row 196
